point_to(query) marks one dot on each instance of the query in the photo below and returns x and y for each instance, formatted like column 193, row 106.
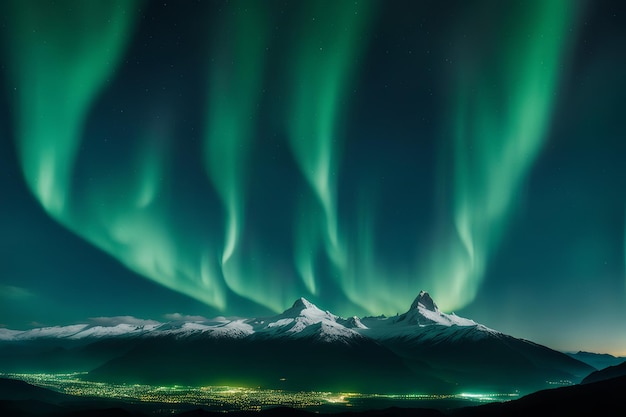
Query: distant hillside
column 606, row 373
column 14, row 390
column 597, row 360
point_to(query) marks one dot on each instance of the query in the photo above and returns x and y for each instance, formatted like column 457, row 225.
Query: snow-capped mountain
column 304, row 347
column 423, row 319
column 303, row 319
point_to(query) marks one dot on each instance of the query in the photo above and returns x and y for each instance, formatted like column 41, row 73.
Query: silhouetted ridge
column 606, row 373
column 16, row 390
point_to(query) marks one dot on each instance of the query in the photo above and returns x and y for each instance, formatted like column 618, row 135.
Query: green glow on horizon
column 501, row 117
column 323, row 64
column 235, row 88
column 308, row 243
column 364, row 269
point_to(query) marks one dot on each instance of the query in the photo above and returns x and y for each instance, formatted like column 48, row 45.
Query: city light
column 229, row 398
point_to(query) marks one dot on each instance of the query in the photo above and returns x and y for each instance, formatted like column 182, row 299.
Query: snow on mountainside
column 235, row 329
column 59, row 332
column 121, row 329
column 425, row 312
column 303, row 319
column 7, row 334
column 422, row 319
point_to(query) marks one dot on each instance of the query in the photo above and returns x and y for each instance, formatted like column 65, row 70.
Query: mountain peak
column 425, row 301
column 302, row 303
column 302, row 307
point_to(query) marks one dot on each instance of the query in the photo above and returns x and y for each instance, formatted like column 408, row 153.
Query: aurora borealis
column 499, row 124
column 226, row 158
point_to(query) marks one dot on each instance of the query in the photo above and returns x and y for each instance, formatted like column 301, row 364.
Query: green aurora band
column 58, row 75
column 325, row 56
column 501, row 116
column 235, row 87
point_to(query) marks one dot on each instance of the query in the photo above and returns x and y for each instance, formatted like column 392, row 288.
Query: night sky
column 224, row 158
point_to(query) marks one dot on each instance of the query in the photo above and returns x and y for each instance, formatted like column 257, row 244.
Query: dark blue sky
column 228, row 157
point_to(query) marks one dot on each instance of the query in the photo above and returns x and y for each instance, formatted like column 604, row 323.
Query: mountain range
column 304, row 348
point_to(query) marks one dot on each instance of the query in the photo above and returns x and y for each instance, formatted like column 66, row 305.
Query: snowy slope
column 305, row 319
column 423, row 320
column 121, row 329
column 59, row 332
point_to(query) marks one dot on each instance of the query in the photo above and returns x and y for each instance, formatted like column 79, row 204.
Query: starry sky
column 226, row 157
